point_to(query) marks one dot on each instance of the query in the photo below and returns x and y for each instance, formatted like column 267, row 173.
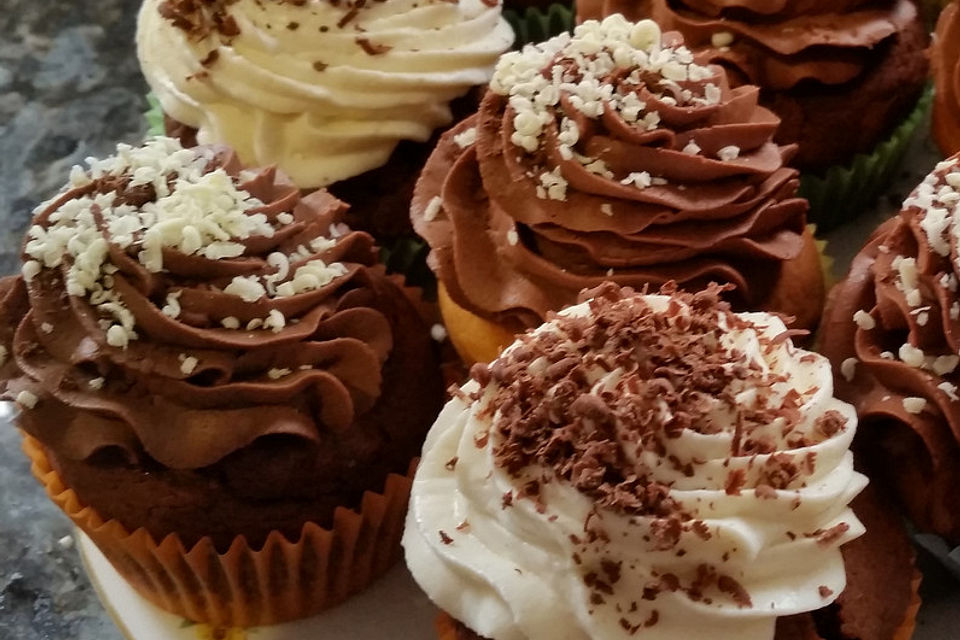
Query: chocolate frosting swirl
column 186, row 391
column 946, row 71
column 690, row 187
column 778, row 45
column 892, row 332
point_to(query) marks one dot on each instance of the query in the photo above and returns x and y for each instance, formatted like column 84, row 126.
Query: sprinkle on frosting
column 201, row 18
column 466, row 138
column 27, row 399
column 849, row 369
column 914, row 405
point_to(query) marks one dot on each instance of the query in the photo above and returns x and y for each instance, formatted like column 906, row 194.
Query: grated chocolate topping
column 200, row 19
column 597, row 398
column 587, row 399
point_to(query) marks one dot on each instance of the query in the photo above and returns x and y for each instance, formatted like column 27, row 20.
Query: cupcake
column 610, row 155
column 844, row 77
column 946, row 73
column 339, row 95
column 891, row 330
column 840, row 76
column 218, row 382
column 649, row 466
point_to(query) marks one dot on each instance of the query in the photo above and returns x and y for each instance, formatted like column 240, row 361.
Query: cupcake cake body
column 323, row 90
column 841, row 75
column 207, row 357
column 610, row 154
column 642, row 465
column 891, row 331
column 946, row 74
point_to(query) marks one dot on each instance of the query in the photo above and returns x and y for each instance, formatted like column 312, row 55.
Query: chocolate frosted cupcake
column 647, row 466
column 892, row 331
column 841, row 75
column 946, row 73
column 327, row 91
column 611, row 155
column 214, row 374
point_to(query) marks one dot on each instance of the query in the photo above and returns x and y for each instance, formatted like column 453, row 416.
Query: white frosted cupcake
column 324, row 90
column 649, row 466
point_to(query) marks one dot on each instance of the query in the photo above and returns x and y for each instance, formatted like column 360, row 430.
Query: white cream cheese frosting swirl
column 324, row 90
column 641, row 466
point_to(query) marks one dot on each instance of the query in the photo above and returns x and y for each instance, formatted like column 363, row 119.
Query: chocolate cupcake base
column 245, row 586
column 832, row 124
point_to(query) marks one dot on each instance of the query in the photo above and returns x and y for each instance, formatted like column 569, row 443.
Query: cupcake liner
column 244, row 586
column 843, row 192
column 909, row 624
column 826, row 260
column 537, row 24
column 407, row 255
column 445, row 627
column 154, row 116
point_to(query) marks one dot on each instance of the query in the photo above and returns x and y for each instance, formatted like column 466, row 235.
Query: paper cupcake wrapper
column 536, row 24
column 909, row 625
column 843, row 192
column 407, row 256
column 154, row 116
column 826, row 260
column 246, row 587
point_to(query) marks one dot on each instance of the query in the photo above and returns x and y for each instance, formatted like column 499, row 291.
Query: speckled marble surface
column 70, row 88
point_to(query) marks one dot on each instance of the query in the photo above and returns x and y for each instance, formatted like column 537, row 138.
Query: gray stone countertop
column 70, row 88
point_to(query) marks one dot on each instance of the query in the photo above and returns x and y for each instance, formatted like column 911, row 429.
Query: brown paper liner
column 909, row 624
column 246, row 587
column 446, row 627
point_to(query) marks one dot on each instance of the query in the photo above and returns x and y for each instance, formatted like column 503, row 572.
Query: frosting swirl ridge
column 324, row 90
column 640, row 463
column 779, row 45
column 608, row 154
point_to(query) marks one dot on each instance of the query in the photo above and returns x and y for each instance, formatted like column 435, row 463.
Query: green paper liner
column 537, row 24
column 407, row 255
column 930, row 10
column 154, row 116
column 845, row 191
